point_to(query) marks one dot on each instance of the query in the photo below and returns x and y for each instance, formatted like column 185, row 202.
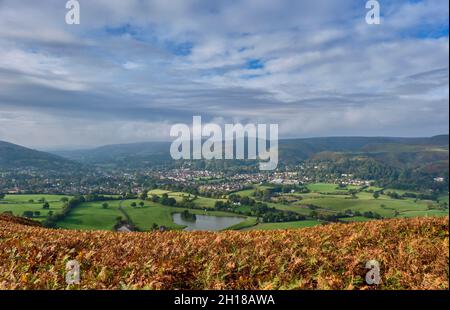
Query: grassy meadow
column 92, row 215
column 18, row 204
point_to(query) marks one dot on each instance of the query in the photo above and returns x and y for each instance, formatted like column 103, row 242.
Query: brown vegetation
column 413, row 254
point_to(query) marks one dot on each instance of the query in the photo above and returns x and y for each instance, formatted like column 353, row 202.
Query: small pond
column 207, row 222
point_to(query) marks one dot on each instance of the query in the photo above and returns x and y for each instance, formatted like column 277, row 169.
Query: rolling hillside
column 428, row 156
column 395, row 152
column 13, row 156
column 392, row 151
column 118, row 152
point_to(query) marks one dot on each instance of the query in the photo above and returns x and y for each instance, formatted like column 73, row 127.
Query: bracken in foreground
column 413, row 254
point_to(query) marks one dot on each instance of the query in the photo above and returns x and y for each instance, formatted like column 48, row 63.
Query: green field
column 91, row 215
column 203, row 202
column 355, row 219
column 286, row 225
column 326, row 198
column 444, row 198
column 385, row 206
column 424, row 213
column 331, row 200
column 328, row 188
column 249, row 192
column 247, row 224
column 398, row 191
column 17, row 204
column 374, row 188
column 245, row 192
column 153, row 213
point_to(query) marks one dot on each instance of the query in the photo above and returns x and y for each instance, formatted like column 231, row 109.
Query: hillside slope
column 413, row 254
column 14, row 156
column 407, row 152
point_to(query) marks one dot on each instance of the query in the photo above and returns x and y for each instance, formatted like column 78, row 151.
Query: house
column 124, row 228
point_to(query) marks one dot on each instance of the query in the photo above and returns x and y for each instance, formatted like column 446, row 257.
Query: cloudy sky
column 132, row 68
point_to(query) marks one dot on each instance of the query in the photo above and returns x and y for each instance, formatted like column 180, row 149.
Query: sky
column 133, row 68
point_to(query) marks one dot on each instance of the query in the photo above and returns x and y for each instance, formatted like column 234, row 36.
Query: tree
column 155, row 198
column 143, row 195
column 105, row 205
column 37, row 213
column 141, row 203
column 28, row 214
column 46, row 206
column 2, row 195
column 353, row 193
column 376, row 195
column 314, row 214
column 133, row 204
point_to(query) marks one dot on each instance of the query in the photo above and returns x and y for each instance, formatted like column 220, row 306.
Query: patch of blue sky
column 250, row 76
column 147, row 35
column 428, row 32
column 142, row 34
column 179, row 49
column 254, row 64
column 122, row 29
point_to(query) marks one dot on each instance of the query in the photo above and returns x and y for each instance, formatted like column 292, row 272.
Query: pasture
column 329, row 188
column 203, row 202
column 285, row 225
column 18, row 204
column 92, row 215
column 323, row 198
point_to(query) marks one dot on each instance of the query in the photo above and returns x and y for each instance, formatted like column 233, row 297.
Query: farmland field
column 384, row 206
column 17, row 204
column 328, row 187
column 92, row 216
column 331, row 200
column 325, row 199
column 203, row 202
column 286, row 225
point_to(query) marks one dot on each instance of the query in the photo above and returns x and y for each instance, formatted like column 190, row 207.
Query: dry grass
column 413, row 254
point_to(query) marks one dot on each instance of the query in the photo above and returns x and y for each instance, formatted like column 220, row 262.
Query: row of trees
column 250, row 207
column 266, row 193
column 53, row 218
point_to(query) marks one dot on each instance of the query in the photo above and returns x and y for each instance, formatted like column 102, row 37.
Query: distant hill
column 114, row 151
column 300, row 149
column 14, row 156
column 389, row 150
column 136, row 154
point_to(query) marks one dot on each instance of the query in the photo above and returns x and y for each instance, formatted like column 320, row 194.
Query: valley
column 322, row 203
column 138, row 187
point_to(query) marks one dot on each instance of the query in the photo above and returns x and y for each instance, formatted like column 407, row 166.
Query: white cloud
column 133, row 67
